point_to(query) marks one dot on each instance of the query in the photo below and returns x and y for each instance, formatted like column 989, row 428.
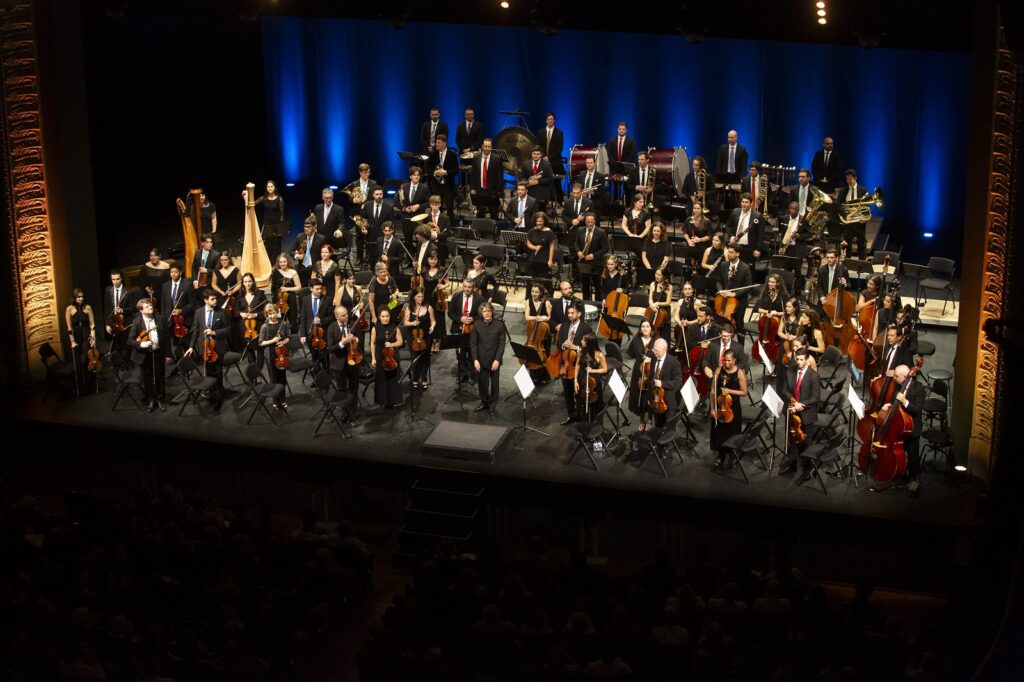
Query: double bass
column 882, row 456
column 536, row 332
column 839, row 307
column 767, row 337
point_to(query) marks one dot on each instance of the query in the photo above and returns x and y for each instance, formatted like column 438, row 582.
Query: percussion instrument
column 578, row 158
column 517, row 142
column 419, row 217
column 590, row 313
column 672, row 165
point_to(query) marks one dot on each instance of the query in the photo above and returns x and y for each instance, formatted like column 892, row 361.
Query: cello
column 767, row 337
column 536, row 332
column 882, row 456
column 839, row 307
column 615, row 305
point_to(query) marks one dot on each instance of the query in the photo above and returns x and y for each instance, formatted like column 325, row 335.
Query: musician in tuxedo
column 470, row 134
column 439, row 237
column 826, row 167
column 591, row 177
column 745, row 229
column 205, row 259
column 444, row 167
column 521, row 207
column 690, row 193
column 486, row 348
column 853, row 233
column 666, row 373
column 412, row 200
column 307, row 249
column 754, row 184
column 341, row 334
column 314, row 311
column 641, row 178
column 178, row 297
column 150, row 353
column 423, row 248
column 732, row 159
column 560, row 306
column 539, row 178
column 464, row 309
column 570, row 334
column 621, row 147
column 430, row 129
column 365, row 184
column 795, row 233
column 911, row 395
column 552, row 142
column 896, row 351
column 487, row 183
column 330, row 219
column 715, row 355
column 704, row 328
column 732, row 273
column 210, row 321
column 831, row 274
column 391, row 252
column 804, row 387
column 590, row 248
column 801, row 192
column 575, row 209
column 376, row 211
column 118, row 298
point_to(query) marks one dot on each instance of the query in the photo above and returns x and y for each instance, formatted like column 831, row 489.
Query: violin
column 354, row 356
column 143, row 336
column 416, row 281
column 723, row 409
column 796, row 431
column 657, row 402
column 210, row 354
column 93, row 356
column 388, row 359
column 419, row 339
column 642, row 384
column 231, row 307
column 178, row 326
column 281, row 360
column 117, row 322
column 282, row 301
column 250, row 332
column 316, row 338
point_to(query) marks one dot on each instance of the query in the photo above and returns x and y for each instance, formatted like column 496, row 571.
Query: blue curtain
column 340, row 92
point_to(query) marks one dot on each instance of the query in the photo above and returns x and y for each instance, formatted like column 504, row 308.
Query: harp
column 254, row 253
column 190, row 227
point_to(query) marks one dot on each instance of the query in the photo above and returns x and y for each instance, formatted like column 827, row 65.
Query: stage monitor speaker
column 457, row 440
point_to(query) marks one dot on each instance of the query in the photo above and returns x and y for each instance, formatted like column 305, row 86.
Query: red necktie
column 534, row 167
column 465, row 306
column 483, row 180
column 620, row 149
column 796, row 390
column 721, row 356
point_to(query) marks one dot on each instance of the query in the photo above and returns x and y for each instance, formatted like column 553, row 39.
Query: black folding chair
column 584, row 433
column 194, row 388
column 57, row 371
column 127, row 376
column 262, row 392
column 301, row 364
column 833, row 360
column 660, row 442
column 823, row 453
column 743, row 445
column 333, row 401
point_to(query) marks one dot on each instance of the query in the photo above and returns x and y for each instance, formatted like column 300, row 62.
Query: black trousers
column 591, row 283
column 216, row 370
column 912, row 446
column 487, row 383
column 487, row 204
column 569, row 391
column 347, row 379
column 152, row 376
column 855, row 233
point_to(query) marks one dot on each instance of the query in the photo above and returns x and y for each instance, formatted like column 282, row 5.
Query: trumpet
column 593, row 188
column 859, row 210
column 534, row 179
column 440, row 173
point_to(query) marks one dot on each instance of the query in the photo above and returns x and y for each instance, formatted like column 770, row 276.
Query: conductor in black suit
column 431, row 128
column 804, row 387
column 330, row 219
column 731, row 274
column 486, row 347
column 470, row 134
column 827, row 167
column 622, row 147
column 591, row 246
column 552, row 142
column 444, row 166
column 487, row 182
column 732, row 159
column 666, row 373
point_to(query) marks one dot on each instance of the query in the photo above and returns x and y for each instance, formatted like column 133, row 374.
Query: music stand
column 685, row 251
column 412, row 158
column 792, row 263
column 861, row 267
column 616, row 324
column 917, row 273
column 525, row 355
column 459, row 342
column 412, row 417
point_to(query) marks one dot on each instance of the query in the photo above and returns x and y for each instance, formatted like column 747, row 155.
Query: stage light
column 504, row 4
column 820, row 4
column 333, row 186
column 821, row 12
column 928, row 235
column 822, row 20
column 960, row 468
column 289, row 184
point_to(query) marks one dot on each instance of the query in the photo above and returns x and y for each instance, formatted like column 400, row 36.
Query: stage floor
column 393, row 438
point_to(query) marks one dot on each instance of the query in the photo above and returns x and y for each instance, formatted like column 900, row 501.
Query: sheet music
column 618, row 387
column 855, row 402
column 524, row 382
column 690, row 395
column 772, row 401
column 768, row 365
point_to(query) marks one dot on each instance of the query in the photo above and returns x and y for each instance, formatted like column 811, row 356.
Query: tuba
column 816, row 215
column 859, row 210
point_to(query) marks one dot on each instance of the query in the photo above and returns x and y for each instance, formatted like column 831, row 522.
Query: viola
column 282, row 301
column 388, row 359
column 723, row 409
column 354, row 356
column 281, row 360
column 568, row 363
column 768, row 336
column 616, row 304
column 93, row 356
column 883, row 456
column 536, row 332
column 210, row 354
column 178, row 326
column 796, row 431
column 250, row 333
column 441, row 297
column 658, row 403
column 316, row 338
column 419, row 339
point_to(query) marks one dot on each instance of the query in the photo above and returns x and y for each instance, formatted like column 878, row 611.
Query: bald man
column 732, row 159
column 911, row 395
column 666, row 373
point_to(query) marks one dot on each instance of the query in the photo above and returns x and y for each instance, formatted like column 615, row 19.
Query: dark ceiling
column 916, row 24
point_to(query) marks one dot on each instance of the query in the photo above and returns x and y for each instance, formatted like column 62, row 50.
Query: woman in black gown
column 82, row 329
column 659, row 297
column 381, row 291
column 729, row 380
column 640, row 345
column 713, row 254
column 274, row 333
column 654, row 255
column 152, row 276
column 434, row 277
column 538, row 309
column 272, row 204
column 250, row 307
column 226, row 283
column 590, row 363
column 484, row 283
column 285, row 278
column 327, row 270
column 420, row 317
column 387, row 387
column 612, row 276
column 542, row 244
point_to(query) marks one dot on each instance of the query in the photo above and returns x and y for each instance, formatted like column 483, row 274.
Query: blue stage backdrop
column 341, row 92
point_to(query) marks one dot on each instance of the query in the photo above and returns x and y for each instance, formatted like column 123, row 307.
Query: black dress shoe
column 567, row 421
column 480, row 408
column 161, row 406
column 787, row 467
column 152, row 406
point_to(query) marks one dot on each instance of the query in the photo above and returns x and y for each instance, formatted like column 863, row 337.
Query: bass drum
column 670, row 162
column 517, row 143
column 579, row 154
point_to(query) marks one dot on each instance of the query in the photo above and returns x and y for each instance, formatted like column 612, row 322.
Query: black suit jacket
column 455, row 310
column 512, row 211
column 335, row 221
column 394, row 253
column 747, row 183
column 487, row 342
column 794, row 195
column 715, row 352
column 634, row 180
column 553, row 150
column 127, row 303
column 442, row 129
column 211, row 263
column 755, row 227
column 472, row 139
column 694, row 334
column 314, row 255
column 915, row 398
column 902, row 356
column 823, row 283
column 197, row 335
column 743, row 278
column 387, row 213
column 421, row 196
column 581, row 330
column 188, row 299
column 690, row 188
column 338, row 352
column 324, row 311
column 495, row 175
column 599, row 180
column 544, row 189
column 569, row 211
column 598, row 245
column 628, row 149
column 557, row 313
column 741, row 165
column 810, row 394
column 844, row 195
column 671, row 379
column 162, row 335
column 827, row 176
column 444, row 185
